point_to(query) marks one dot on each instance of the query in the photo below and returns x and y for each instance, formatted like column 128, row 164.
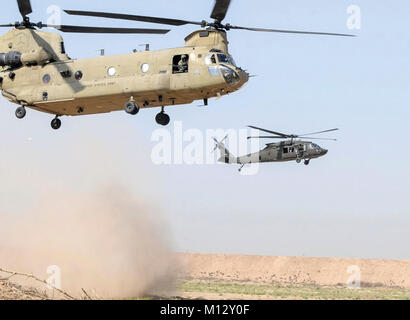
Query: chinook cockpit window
column 180, row 64
column 223, row 58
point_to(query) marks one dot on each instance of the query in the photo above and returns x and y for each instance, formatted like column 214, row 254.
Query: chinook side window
column 210, row 59
column 180, row 64
column 62, row 47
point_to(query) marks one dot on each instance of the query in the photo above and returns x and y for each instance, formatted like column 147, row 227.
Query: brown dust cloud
column 80, row 210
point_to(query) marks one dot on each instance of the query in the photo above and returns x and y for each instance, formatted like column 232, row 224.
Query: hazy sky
column 352, row 203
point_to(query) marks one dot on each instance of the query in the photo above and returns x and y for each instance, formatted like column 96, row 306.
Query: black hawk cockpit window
column 180, row 64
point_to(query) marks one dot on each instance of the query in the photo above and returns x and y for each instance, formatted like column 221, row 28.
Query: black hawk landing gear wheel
column 132, row 108
column 56, row 124
column 163, row 119
column 21, row 112
column 307, row 162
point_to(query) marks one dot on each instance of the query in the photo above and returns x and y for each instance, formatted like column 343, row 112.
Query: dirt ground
column 259, row 277
column 224, row 277
column 293, row 271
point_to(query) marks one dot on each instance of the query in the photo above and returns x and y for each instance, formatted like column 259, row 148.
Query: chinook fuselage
column 37, row 73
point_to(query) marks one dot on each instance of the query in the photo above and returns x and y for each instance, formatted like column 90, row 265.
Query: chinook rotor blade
column 309, row 134
column 272, row 132
column 219, row 13
column 172, row 22
column 220, row 10
column 24, row 7
column 80, row 29
column 290, row 31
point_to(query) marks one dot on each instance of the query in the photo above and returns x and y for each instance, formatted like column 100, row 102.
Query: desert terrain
column 225, row 277
column 261, row 277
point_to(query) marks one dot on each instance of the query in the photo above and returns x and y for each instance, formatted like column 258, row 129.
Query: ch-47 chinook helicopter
column 36, row 72
column 289, row 150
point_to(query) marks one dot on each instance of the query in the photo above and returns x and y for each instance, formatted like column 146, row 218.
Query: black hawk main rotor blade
column 309, row 134
column 274, row 137
column 220, row 10
column 324, row 139
column 172, row 22
column 80, row 29
column 266, row 137
column 272, row 132
column 24, row 7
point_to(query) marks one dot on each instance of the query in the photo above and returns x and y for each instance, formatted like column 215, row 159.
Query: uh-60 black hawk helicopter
column 289, row 150
column 37, row 73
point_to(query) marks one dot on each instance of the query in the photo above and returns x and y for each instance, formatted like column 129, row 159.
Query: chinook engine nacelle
column 10, row 59
column 16, row 59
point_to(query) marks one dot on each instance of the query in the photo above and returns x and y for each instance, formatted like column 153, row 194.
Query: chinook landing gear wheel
column 21, row 112
column 163, row 119
column 298, row 160
column 56, row 124
column 307, row 162
column 132, row 108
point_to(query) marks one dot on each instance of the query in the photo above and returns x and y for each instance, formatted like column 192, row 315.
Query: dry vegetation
column 12, row 291
column 226, row 291
column 267, row 278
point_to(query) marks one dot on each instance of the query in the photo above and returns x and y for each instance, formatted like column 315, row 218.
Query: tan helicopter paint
column 215, row 40
column 100, row 92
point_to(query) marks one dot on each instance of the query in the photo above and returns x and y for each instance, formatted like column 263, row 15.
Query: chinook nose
column 324, row 152
column 244, row 76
